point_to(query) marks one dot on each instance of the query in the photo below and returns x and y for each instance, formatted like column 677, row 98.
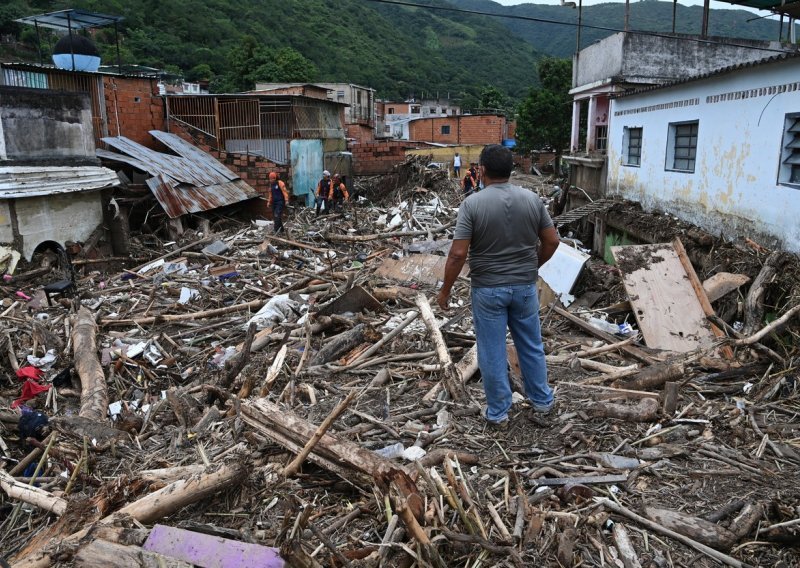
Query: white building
column 721, row 150
column 628, row 61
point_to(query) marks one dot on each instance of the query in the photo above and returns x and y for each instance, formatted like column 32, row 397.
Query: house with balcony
column 629, row 61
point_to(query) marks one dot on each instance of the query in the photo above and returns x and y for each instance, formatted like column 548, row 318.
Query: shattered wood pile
column 297, row 400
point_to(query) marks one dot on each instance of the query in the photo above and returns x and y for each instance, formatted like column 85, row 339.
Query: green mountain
column 400, row 51
column 647, row 15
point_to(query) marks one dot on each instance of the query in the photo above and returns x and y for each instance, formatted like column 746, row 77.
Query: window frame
column 673, row 139
column 442, row 131
column 626, row 144
column 791, row 135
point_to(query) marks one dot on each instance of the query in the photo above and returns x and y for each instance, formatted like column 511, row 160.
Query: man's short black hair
column 498, row 161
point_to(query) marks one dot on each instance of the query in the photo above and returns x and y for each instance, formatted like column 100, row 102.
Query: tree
column 493, row 98
column 545, row 116
column 250, row 63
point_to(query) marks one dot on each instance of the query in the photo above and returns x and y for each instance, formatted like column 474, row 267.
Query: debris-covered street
column 300, row 398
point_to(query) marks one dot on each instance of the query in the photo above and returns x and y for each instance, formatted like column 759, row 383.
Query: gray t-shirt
column 502, row 223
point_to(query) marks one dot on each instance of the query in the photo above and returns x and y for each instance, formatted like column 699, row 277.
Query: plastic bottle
column 604, row 325
column 393, row 451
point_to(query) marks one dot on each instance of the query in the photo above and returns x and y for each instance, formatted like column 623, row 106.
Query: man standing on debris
column 457, row 165
column 278, row 198
column 468, row 183
column 508, row 234
column 324, row 189
column 338, row 194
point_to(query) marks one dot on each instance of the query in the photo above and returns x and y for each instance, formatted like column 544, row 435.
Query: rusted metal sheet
column 179, row 199
column 190, row 182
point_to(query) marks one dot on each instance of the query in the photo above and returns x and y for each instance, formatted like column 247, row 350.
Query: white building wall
column 734, row 188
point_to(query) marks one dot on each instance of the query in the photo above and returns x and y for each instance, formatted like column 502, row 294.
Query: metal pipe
column 116, row 39
column 627, row 15
column 674, row 11
column 71, row 46
column 38, row 41
column 706, row 11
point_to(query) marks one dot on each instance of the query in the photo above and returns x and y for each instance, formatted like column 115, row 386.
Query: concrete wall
column 637, row 58
column 59, row 218
column 43, row 126
column 734, row 188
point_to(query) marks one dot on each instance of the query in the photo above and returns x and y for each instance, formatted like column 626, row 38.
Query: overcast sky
column 714, row 5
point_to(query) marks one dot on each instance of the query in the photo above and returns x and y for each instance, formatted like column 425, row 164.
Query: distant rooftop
column 70, row 20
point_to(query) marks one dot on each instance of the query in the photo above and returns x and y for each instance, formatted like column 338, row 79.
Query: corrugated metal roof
column 32, row 181
column 191, row 182
column 716, row 72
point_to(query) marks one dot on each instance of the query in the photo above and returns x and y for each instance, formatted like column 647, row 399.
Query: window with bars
column 790, row 158
column 682, row 152
column 445, row 129
column 601, row 138
column 633, row 146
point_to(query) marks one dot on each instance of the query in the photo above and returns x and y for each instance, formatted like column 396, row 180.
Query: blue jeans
column 277, row 215
column 516, row 308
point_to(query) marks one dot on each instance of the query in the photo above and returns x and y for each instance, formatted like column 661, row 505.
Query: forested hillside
column 397, row 50
column 649, row 15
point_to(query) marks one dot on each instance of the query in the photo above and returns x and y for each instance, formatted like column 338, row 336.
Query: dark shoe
column 500, row 426
column 541, row 419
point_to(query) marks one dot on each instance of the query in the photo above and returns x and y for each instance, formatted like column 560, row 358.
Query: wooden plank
column 664, row 302
column 586, row 480
column 421, row 268
column 700, row 293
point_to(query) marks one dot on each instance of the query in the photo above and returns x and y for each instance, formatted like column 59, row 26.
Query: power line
column 571, row 24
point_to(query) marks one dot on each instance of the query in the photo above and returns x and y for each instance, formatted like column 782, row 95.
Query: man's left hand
column 443, row 299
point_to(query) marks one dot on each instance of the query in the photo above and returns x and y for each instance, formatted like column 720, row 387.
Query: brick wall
column 360, row 133
column 378, row 157
column 467, row 129
column 254, row 170
column 133, row 108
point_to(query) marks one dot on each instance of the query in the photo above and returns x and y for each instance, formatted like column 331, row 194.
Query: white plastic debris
column 175, row 268
column 188, row 294
column 391, row 452
column 152, row 266
column 219, row 359
column 278, row 309
column 413, row 453
column 45, row 362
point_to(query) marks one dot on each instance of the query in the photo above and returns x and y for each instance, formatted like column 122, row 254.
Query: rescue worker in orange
column 278, row 199
column 324, row 189
column 338, row 193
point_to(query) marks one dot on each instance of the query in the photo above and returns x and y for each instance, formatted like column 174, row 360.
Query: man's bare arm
column 548, row 243
column 455, row 263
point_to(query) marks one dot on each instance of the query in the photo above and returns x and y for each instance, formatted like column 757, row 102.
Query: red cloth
column 30, row 373
column 29, row 390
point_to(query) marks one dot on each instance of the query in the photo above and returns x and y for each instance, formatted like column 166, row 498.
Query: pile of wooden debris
column 295, row 399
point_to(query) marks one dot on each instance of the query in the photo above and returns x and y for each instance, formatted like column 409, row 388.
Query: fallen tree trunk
column 32, row 495
column 94, row 391
column 377, row 236
column 646, row 410
column 698, row 529
column 346, row 459
column 650, row 377
column 753, row 305
column 342, row 343
column 452, row 381
column 112, row 555
column 653, row 526
column 151, row 507
column 254, row 305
